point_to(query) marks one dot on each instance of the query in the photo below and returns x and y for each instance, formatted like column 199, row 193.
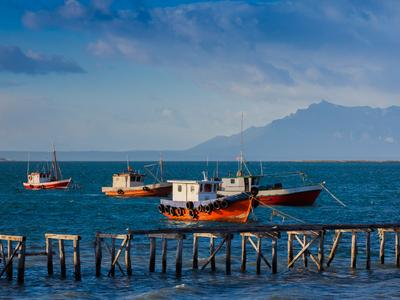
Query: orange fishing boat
column 48, row 179
column 197, row 201
column 131, row 184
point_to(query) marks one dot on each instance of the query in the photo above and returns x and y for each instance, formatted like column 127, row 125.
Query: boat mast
column 56, row 168
column 242, row 163
column 27, row 167
column 161, row 168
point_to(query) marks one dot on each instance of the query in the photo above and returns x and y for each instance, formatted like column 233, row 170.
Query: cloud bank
column 14, row 60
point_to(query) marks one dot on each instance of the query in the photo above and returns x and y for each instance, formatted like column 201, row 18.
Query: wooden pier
column 305, row 242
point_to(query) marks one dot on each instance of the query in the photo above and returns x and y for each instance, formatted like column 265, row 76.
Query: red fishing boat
column 198, row 201
column 275, row 194
column 47, row 179
column 131, row 184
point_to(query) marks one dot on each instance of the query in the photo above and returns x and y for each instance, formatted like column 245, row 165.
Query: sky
column 137, row 75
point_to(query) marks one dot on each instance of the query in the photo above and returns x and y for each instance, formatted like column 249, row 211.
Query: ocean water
column 370, row 190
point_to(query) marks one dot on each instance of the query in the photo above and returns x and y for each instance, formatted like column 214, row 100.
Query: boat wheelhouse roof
column 194, row 181
column 131, row 173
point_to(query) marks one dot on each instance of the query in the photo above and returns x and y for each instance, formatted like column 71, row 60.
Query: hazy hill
column 321, row 131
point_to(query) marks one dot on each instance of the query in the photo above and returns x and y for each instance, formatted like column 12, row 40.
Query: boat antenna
column 217, row 170
column 161, row 168
column 27, row 167
column 56, row 168
column 241, row 163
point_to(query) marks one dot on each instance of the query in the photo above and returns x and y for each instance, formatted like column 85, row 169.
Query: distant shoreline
column 224, row 161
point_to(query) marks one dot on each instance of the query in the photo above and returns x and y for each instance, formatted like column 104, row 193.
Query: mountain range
column 322, row 131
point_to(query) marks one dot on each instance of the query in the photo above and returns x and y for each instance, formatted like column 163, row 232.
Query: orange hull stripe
column 237, row 212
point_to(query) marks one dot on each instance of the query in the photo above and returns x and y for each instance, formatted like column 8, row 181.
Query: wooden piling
column 244, row 254
column 228, row 239
column 112, row 266
column 258, row 261
column 195, row 252
column 9, row 270
column 49, row 252
column 274, row 254
column 321, row 250
column 164, row 256
column 368, row 250
column 128, row 264
column 290, row 248
column 98, row 255
column 353, row 250
column 152, row 262
column 21, row 262
column 62, row 258
column 382, row 247
column 77, row 260
column 397, row 248
column 305, row 260
column 212, row 248
column 179, row 251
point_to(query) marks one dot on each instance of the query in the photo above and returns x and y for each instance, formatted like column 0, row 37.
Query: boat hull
column 237, row 212
column 51, row 185
column 302, row 196
column 151, row 190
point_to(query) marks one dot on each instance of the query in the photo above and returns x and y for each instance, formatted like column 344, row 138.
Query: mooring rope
column 322, row 184
column 279, row 212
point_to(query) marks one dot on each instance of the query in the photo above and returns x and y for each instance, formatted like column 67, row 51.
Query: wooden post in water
column 164, row 256
column 228, row 239
column 152, row 262
column 77, row 260
column 305, row 260
column 49, row 252
column 21, row 262
column 9, row 270
column 244, row 254
column 212, row 246
column 258, row 261
column 274, row 254
column 290, row 248
column 321, row 250
column 353, row 249
column 382, row 246
column 368, row 250
column 397, row 250
column 99, row 241
column 179, row 250
column 195, row 252
column 335, row 245
column 62, row 258
column 112, row 267
column 128, row 264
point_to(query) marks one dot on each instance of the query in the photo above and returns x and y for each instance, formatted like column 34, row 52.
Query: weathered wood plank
column 179, row 252
column 99, row 255
column 56, row 236
column 49, row 252
column 195, row 252
column 368, row 250
column 152, row 258
column 77, row 260
column 244, row 254
column 335, row 245
column 14, row 238
column 164, row 256
column 61, row 254
column 274, row 254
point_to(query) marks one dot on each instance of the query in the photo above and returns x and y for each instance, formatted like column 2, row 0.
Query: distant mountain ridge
column 323, row 131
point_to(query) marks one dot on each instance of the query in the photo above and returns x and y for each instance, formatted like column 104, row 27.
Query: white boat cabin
column 239, row 184
column 128, row 180
column 39, row 177
column 193, row 190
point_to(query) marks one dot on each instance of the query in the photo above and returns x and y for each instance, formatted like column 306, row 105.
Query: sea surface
column 371, row 192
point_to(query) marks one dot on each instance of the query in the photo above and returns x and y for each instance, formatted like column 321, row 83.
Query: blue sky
column 120, row 75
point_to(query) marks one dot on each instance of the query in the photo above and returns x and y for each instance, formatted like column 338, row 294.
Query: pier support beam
column 49, row 237
column 125, row 246
column 179, row 251
column 248, row 237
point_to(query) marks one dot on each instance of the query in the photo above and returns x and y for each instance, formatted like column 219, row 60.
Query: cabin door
column 246, row 184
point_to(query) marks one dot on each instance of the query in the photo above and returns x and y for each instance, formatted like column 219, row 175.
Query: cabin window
column 232, row 180
column 192, row 188
column 207, row 188
column 179, row 188
column 138, row 179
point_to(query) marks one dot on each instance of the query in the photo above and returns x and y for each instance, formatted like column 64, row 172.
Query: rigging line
column 322, row 184
column 280, row 212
